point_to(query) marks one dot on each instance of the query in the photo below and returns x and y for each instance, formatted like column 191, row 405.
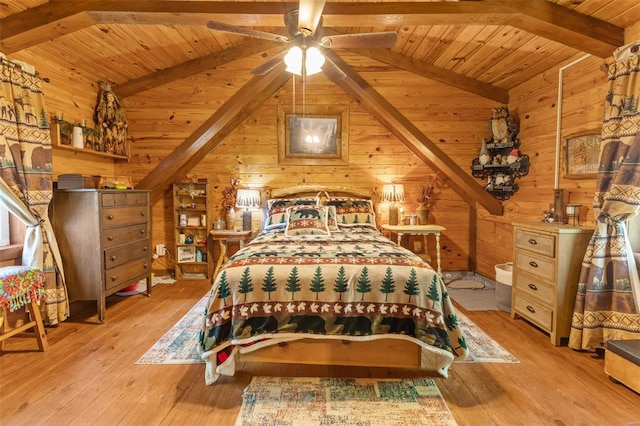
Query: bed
column 321, row 285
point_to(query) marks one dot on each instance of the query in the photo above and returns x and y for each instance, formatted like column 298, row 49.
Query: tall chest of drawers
column 547, row 262
column 104, row 239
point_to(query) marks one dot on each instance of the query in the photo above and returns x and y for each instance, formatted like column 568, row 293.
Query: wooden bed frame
column 391, row 353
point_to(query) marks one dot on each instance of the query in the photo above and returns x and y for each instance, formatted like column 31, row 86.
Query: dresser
column 547, row 260
column 104, row 239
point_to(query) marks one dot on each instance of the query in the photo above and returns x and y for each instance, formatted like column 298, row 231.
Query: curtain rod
column 19, row 64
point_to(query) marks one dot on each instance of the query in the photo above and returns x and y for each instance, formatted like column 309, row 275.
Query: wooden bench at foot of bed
column 622, row 362
column 391, row 353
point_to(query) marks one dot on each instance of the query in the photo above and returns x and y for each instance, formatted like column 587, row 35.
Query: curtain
column 608, row 294
column 26, row 177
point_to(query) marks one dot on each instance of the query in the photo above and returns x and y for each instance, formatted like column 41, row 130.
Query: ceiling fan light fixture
column 313, row 61
column 293, row 59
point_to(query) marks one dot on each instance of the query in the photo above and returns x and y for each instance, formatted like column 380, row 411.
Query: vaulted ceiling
column 483, row 47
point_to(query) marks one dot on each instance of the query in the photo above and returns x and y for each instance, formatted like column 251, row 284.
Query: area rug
column 471, row 291
column 342, row 401
column 179, row 344
column 482, row 348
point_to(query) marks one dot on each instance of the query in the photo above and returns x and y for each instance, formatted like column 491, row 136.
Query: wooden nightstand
column 224, row 237
column 423, row 230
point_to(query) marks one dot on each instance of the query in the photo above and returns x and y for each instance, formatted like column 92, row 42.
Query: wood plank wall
column 161, row 118
column 376, row 157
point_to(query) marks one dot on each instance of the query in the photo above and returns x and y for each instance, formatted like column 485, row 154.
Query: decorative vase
column 423, row 213
column 230, row 219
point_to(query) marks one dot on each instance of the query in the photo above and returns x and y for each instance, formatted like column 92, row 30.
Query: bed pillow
column 307, row 220
column 277, row 210
column 353, row 211
column 332, row 218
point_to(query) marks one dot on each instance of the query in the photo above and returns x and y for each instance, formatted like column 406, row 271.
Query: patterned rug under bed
column 179, row 344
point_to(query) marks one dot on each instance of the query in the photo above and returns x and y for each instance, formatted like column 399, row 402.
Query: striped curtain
column 608, row 297
column 26, row 176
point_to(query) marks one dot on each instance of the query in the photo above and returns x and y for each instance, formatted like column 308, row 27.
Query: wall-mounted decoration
column 320, row 135
column 500, row 160
column 581, row 155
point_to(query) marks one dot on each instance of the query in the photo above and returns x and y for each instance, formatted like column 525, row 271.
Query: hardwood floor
column 89, row 376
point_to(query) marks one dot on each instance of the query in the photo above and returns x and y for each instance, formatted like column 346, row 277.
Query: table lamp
column 393, row 193
column 247, row 199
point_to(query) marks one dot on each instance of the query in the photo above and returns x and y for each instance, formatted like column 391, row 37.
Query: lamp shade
column 248, row 198
column 312, row 57
column 393, row 193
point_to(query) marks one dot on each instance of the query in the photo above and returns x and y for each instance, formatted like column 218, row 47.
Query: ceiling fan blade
column 270, row 64
column 232, row 29
column 331, row 70
column 309, row 14
column 386, row 39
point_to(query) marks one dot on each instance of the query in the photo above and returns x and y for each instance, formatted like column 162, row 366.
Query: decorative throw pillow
column 353, row 211
column 332, row 220
column 306, row 220
column 277, row 210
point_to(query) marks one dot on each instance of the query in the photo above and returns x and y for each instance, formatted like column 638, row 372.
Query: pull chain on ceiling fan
column 305, row 40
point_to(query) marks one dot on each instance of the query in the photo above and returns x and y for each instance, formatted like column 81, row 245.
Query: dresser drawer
column 534, row 312
column 113, row 199
column 116, row 277
column 112, row 237
column 122, row 254
column 537, row 243
column 537, row 265
column 541, row 291
column 136, row 199
column 120, row 216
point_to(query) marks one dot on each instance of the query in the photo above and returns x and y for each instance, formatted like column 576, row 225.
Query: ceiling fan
column 305, row 39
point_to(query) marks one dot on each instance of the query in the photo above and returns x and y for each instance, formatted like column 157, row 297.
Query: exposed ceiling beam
column 56, row 18
column 192, row 67
column 436, row 73
column 416, row 141
column 213, row 131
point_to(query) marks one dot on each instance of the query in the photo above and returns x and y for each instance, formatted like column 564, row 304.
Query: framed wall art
column 582, row 155
column 317, row 136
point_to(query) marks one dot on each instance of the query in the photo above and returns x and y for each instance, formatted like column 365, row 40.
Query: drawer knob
column 144, row 248
column 142, row 214
column 532, row 286
column 142, row 231
column 114, row 278
column 113, row 258
column 110, row 238
column 533, row 264
column 110, row 217
column 531, row 309
column 532, row 241
column 146, row 265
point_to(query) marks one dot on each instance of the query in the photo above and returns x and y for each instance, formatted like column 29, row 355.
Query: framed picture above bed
column 581, row 155
column 319, row 136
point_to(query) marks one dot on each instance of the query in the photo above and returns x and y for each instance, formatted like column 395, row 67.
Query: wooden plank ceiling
column 483, row 47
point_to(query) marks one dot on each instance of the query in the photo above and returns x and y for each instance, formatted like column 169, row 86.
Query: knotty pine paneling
column 161, row 118
column 536, row 105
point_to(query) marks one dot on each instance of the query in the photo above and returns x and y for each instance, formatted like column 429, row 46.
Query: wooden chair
column 21, row 287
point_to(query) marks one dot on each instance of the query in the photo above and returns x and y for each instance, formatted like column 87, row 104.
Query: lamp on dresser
column 247, row 199
column 393, row 193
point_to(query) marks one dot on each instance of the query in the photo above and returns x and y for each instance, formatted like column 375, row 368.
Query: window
column 4, row 226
